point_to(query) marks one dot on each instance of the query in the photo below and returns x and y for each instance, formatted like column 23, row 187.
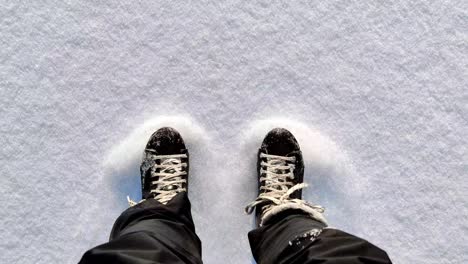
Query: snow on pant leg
column 151, row 232
column 292, row 237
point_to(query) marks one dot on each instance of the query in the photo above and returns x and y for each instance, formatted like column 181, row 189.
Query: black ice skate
column 280, row 169
column 164, row 168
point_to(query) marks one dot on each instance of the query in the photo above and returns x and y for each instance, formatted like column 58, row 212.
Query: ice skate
column 280, row 170
column 164, row 168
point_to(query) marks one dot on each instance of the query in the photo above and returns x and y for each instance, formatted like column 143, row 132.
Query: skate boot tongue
column 168, row 177
column 279, row 167
column 175, row 186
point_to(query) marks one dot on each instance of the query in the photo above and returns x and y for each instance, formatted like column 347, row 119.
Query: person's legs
column 160, row 228
column 289, row 230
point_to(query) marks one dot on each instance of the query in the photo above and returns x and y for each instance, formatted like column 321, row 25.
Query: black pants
column 151, row 232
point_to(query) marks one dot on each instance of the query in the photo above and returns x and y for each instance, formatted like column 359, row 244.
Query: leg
column 295, row 237
column 158, row 229
column 290, row 230
column 151, row 232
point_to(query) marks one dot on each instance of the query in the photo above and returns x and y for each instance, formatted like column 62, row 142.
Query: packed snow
column 376, row 93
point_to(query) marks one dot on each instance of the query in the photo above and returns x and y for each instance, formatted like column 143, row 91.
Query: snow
column 375, row 91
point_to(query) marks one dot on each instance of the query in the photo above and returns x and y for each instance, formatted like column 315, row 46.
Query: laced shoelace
column 169, row 178
column 277, row 189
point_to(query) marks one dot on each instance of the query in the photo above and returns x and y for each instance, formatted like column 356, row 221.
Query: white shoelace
column 170, row 181
column 277, row 188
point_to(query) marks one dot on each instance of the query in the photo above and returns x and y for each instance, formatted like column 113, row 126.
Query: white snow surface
column 375, row 91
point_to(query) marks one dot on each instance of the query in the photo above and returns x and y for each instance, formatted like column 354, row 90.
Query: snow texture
column 375, row 91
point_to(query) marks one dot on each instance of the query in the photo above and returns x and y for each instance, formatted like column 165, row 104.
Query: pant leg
column 151, row 232
column 292, row 237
